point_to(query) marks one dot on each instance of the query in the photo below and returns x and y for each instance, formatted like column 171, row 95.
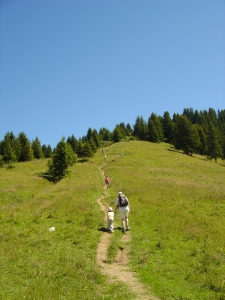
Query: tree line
column 200, row 132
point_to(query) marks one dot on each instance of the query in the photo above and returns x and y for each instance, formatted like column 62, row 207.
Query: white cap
column 120, row 193
column 110, row 209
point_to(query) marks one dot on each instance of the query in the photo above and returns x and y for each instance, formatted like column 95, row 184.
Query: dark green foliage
column 157, row 121
column 25, row 149
column 73, row 142
column 141, row 129
column 202, row 138
column 47, row 151
column 123, row 132
column 9, row 154
column 153, row 134
column 168, row 125
column 37, row 150
column 80, row 147
column 185, row 136
column 190, row 132
column 105, row 134
column 117, row 135
column 96, row 138
column 87, row 150
column 214, row 149
column 92, row 145
column 62, row 158
column 8, row 148
column 89, row 133
column 129, row 130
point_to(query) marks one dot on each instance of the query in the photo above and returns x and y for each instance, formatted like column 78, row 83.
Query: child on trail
column 123, row 205
column 107, row 182
column 110, row 220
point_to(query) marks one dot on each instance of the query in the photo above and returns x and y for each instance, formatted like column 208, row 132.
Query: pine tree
column 116, row 135
column 158, row 127
column 92, row 145
column 26, row 152
column 105, row 134
column 141, row 129
column 9, row 154
column 62, row 158
column 87, row 151
column 37, row 150
column 153, row 134
column 214, row 149
column 185, row 136
column 167, row 127
column 80, row 148
column 73, row 142
column 96, row 138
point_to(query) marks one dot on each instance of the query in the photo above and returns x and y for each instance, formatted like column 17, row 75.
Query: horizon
column 69, row 66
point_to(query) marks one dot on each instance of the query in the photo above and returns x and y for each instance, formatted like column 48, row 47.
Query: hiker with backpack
column 122, row 204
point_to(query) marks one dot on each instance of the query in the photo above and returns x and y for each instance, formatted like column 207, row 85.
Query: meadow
column 177, row 226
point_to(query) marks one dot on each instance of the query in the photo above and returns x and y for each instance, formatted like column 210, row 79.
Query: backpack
column 123, row 201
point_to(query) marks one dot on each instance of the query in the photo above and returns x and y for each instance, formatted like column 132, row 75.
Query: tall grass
column 40, row 264
column 177, row 220
column 177, row 223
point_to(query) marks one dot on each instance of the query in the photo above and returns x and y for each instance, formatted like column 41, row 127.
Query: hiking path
column 119, row 270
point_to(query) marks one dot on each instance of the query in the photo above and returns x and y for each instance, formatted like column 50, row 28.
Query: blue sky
column 66, row 66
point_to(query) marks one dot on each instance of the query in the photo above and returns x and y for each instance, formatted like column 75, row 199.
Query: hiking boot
column 123, row 230
column 128, row 228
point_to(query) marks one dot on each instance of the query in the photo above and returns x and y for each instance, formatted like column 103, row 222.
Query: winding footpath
column 119, row 269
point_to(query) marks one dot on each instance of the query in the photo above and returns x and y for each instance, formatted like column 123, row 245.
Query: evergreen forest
column 192, row 132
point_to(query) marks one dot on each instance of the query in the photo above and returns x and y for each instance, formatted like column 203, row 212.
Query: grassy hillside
column 177, row 222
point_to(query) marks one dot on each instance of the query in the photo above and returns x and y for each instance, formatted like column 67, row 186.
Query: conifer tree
column 116, row 135
column 96, row 138
column 129, row 130
column 80, row 148
column 105, row 134
column 214, row 149
column 62, row 158
column 185, row 137
column 37, row 150
column 153, row 133
column 141, row 129
column 26, row 152
column 167, row 127
column 9, row 155
column 158, row 127
column 92, row 145
column 87, row 151
column 73, row 142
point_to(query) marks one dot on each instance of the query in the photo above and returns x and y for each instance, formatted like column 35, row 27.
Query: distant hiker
column 102, row 151
column 107, row 182
column 105, row 156
column 122, row 204
column 110, row 220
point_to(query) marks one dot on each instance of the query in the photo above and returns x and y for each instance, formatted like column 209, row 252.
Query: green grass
column 177, row 222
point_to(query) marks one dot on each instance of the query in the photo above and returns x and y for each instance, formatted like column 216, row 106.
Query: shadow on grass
column 104, row 229
column 83, row 160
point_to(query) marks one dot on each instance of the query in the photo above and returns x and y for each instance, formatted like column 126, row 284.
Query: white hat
column 120, row 193
column 110, row 209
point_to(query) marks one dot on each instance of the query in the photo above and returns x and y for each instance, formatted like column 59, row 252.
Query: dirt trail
column 119, row 270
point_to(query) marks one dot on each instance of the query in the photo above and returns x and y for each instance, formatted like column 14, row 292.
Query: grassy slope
column 177, row 218
column 177, row 244
column 38, row 264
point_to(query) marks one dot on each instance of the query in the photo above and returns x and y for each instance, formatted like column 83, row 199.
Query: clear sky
column 70, row 65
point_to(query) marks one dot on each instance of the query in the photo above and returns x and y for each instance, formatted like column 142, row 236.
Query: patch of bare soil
column 119, row 269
